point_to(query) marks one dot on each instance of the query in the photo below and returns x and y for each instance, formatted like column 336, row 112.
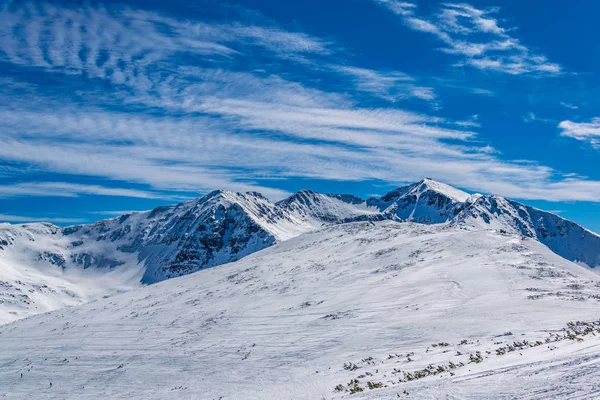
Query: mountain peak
column 424, row 185
column 226, row 197
column 256, row 194
column 303, row 196
column 447, row 190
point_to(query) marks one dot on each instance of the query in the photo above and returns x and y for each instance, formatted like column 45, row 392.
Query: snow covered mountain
column 426, row 202
column 564, row 237
column 363, row 310
column 44, row 267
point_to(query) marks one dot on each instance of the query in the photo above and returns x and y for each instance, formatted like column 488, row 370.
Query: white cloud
column 531, row 117
column 26, row 218
column 66, row 189
column 483, row 92
column 114, row 212
column 569, row 105
column 399, row 7
column 389, row 85
column 454, row 84
column 475, row 36
column 584, row 131
column 200, row 153
column 238, row 130
column 122, row 45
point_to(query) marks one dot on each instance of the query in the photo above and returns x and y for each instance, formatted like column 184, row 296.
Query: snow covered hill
column 382, row 309
column 44, row 267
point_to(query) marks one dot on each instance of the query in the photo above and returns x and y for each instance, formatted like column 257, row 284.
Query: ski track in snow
column 282, row 323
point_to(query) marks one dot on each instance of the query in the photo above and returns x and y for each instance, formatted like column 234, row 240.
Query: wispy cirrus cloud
column 123, row 45
column 67, row 189
column 185, row 108
column 115, row 212
column 532, row 117
column 202, row 153
column 388, row 85
column 474, row 36
column 399, row 7
column 294, row 141
column 454, row 84
column 569, row 105
column 585, row 131
column 482, row 92
column 29, row 218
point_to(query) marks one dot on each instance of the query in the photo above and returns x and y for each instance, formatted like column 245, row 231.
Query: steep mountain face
column 84, row 262
column 316, row 209
column 460, row 310
column 563, row 237
column 177, row 240
column 426, row 202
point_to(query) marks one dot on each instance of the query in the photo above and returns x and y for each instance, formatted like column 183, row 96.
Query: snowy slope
column 366, row 301
column 314, row 209
column 37, row 275
column 44, row 267
column 562, row 236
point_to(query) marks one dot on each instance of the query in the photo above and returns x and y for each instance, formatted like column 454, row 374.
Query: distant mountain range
column 45, row 267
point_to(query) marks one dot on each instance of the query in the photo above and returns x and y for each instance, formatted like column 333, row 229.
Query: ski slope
column 367, row 300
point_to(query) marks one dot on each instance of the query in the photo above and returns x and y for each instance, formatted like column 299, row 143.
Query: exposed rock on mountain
column 45, row 267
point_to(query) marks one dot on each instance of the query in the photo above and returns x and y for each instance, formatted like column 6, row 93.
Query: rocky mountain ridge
column 43, row 265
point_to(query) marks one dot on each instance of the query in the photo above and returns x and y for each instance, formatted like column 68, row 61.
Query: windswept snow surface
column 44, row 267
column 364, row 300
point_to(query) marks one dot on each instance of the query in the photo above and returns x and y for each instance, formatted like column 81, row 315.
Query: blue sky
column 118, row 106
